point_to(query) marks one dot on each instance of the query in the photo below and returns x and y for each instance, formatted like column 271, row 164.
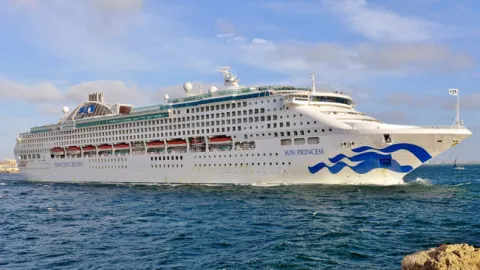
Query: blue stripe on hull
column 373, row 160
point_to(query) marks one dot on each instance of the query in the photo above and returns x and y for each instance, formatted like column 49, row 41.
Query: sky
column 397, row 59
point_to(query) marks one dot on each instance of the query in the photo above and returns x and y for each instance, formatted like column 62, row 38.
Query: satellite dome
column 65, row 109
column 166, row 96
column 212, row 89
column 187, row 86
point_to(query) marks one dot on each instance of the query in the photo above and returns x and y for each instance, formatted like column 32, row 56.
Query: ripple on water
column 67, row 226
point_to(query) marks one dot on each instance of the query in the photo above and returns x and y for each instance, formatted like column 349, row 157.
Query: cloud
column 48, row 97
column 467, row 102
column 393, row 117
column 225, row 27
column 470, row 101
column 419, row 56
column 85, row 35
column 41, row 92
column 114, row 92
column 381, row 24
column 25, row 3
column 117, row 6
column 354, row 61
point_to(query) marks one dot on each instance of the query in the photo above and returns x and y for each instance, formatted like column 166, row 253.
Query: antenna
column 313, row 81
column 312, row 76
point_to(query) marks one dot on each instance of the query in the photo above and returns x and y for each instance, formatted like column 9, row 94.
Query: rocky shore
column 451, row 257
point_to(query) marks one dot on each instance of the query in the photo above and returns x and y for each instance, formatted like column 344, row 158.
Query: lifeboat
column 155, row 144
column 89, row 148
column 73, row 150
column 57, row 151
column 220, row 140
column 105, row 147
column 177, row 143
column 122, row 146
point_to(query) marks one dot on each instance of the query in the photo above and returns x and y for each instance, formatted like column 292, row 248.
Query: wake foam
column 421, row 181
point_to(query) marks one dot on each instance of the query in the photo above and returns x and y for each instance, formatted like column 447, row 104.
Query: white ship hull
column 282, row 134
column 267, row 164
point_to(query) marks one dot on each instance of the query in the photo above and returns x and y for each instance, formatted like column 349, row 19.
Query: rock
column 444, row 257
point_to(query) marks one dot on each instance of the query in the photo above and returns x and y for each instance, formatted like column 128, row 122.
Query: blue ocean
column 75, row 226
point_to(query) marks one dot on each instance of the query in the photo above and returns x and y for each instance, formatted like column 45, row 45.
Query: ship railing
column 220, row 150
column 443, row 127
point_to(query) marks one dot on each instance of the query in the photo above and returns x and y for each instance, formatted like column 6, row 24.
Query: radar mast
column 230, row 81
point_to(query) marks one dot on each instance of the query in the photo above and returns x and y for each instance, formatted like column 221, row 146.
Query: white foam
column 422, row 181
column 462, row 184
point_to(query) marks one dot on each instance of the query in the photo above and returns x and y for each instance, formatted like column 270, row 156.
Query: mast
column 313, row 81
column 229, row 80
column 312, row 76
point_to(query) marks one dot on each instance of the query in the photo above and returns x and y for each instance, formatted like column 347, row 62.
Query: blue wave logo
column 373, row 160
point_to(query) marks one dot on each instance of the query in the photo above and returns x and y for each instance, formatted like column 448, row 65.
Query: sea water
column 75, row 226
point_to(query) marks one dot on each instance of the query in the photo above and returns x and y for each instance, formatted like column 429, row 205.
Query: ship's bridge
column 320, row 99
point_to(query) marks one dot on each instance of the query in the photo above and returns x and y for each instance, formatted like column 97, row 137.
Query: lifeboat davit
column 57, row 151
column 155, row 144
column 220, row 140
column 177, row 143
column 197, row 142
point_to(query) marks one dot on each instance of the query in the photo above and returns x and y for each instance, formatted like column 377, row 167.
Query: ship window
column 299, row 141
column 285, row 142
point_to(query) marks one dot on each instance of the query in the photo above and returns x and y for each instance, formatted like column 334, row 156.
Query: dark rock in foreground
column 451, row 257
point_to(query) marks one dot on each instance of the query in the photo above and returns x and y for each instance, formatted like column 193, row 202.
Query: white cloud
column 48, row 98
column 114, row 91
column 381, row 24
column 26, row 3
column 117, row 6
column 112, row 36
column 86, row 35
column 467, row 102
column 42, row 92
column 225, row 27
column 352, row 62
column 430, row 101
column 259, row 41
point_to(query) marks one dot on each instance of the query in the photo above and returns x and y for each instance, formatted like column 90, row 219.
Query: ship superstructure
column 239, row 135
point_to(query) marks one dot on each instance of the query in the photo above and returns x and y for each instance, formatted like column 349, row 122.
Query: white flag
column 453, row 92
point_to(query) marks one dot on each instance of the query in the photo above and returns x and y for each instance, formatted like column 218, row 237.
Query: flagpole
column 458, row 108
column 456, row 92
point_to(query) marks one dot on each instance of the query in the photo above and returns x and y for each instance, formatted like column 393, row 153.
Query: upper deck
column 96, row 112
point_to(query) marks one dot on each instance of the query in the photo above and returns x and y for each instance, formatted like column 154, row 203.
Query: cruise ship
column 236, row 135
